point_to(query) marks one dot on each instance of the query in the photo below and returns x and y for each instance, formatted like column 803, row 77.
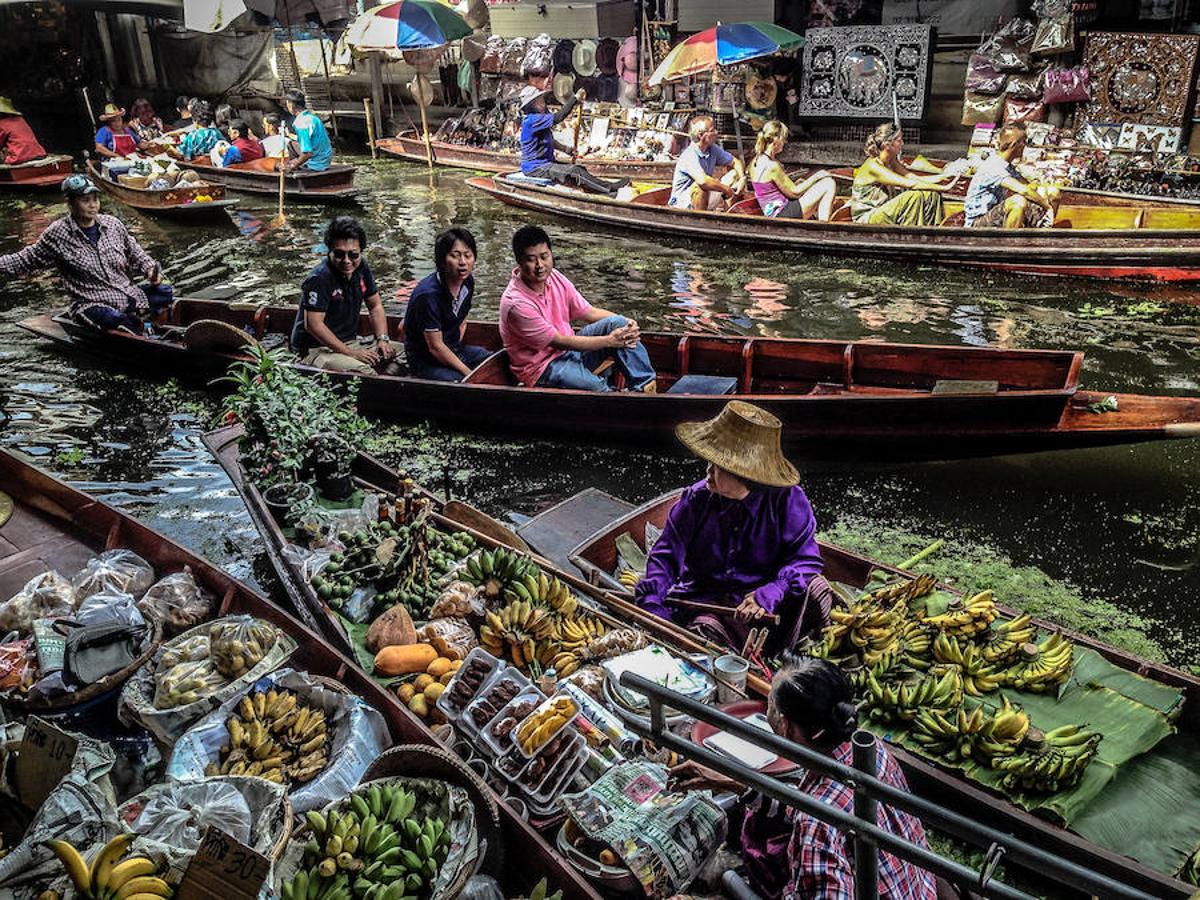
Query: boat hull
column 39, row 174
column 174, row 203
column 333, row 185
column 1137, row 254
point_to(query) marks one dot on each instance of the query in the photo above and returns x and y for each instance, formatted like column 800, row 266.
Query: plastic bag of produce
column 187, row 683
column 18, row 665
column 237, row 644
column 177, row 602
column 453, row 638
column 45, row 596
column 137, row 707
column 118, row 571
column 355, row 734
column 458, row 600
column 106, row 607
column 193, row 649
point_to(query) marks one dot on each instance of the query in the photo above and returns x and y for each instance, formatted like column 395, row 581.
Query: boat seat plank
column 34, row 544
column 709, row 385
column 493, row 370
column 561, row 528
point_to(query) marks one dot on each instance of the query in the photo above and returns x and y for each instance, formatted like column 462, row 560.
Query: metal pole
column 866, row 807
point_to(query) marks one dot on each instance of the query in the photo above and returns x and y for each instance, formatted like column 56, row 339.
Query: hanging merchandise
column 760, row 93
column 1054, row 36
column 539, row 54
column 866, row 72
column 514, row 56
column 627, row 60
column 982, row 75
column 1141, row 78
column 493, row 56
column 1025, row 86
column 1069, row 85
column 583, row 58
column 561, row 58
column 606, row 56
column 982, row 109
column 1017, row 112
column 1011, row 47
column 474, row 46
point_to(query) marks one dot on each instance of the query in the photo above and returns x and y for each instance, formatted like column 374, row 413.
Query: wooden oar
column 279, row 217
column 465, row 514
column 715, row 608
column 370, row 128
column 575, row 142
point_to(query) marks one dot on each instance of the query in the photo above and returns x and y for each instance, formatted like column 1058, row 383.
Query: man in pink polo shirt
column 536, row 311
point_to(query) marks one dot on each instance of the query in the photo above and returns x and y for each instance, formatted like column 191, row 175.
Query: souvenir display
column 857, row 72
column 1140, row 78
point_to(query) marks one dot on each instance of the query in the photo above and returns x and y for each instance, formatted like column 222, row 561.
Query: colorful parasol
column 407, row 25
column 724, row 45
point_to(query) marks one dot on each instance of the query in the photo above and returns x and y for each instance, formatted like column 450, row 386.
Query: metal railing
column 868, row 838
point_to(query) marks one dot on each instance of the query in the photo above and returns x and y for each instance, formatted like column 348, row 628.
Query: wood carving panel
column 854, row 72
column 1141, row 78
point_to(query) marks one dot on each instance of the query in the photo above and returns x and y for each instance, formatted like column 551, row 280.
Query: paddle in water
column 279, row 216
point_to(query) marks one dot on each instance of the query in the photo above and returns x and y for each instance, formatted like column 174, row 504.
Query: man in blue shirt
column 316, row 153
column 435, row 321
column 538, row 145
column 694, row 183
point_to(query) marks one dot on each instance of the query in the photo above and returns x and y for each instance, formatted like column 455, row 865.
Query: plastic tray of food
column 497, row 732
column 544, row 723
column 511, row 765
column 508, row 683
column 548, row 769
column 473, row 677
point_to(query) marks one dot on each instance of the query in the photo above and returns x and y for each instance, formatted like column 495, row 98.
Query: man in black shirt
column 325, row 333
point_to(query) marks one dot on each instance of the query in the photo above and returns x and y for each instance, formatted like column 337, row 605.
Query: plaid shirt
column 821, row 862
column 94, row 274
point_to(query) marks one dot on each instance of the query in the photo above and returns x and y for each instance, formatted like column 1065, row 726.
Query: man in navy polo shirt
column 436, row 319
column 325, row 333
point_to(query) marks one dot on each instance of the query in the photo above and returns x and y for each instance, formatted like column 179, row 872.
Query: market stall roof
column 724, row 45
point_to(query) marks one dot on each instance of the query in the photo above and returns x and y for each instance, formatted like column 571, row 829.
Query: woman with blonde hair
column 777, row 194
column 887, row 192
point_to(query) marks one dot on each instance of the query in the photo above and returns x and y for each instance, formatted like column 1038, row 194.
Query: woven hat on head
column 7, row 108
column 744, row 440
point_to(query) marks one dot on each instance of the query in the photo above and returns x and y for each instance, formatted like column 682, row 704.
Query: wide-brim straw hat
column 111, row 111
column 474, row 46
column 529, row 93
column 563, row 87
column 7, row 108
column 583, row 57
column 742, row 439
column 421, row 89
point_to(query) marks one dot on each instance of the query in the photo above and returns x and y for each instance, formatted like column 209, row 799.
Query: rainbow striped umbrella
column 407, row 25
column 724, row 45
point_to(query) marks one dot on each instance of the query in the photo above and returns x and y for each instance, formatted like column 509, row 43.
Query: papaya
column 404, row 659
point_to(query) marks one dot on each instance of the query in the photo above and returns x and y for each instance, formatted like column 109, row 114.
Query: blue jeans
column 468, row 353
column 573, row 369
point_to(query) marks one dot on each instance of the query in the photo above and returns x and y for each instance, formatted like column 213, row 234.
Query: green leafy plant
column 282, row 412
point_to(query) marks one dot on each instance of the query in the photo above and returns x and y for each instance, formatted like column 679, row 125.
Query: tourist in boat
column 97, row 259
column 998, row 197
column 184, row 112
column 275, row 143
column 17, row 141
column 243, row 140
column 743, row 538
column 536, row 311
column 115, row 139
column 435, row 321
column 790, row 853
column 695, row 183
column 200, row 141
column 887, row 192
column 325, row 331
column 315, row 153
column 777, row 194
column 538, row 144
column 144, row 121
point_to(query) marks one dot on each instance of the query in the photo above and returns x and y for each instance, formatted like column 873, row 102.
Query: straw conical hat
column 7, row 108
column 744, row 440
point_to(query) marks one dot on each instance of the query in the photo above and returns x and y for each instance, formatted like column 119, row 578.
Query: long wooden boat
column 175, row 203
column 841, row 565
column 1124, row 243
column 260, row 176
column 37, row 174
column 409, row 145
column 834, row 397
column 55, row 525
column 597, row 558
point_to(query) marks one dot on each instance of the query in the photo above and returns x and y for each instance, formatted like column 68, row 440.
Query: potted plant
column 288, row 501
column 331, row 459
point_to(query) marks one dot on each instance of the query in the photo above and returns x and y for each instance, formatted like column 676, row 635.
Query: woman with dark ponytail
column 790, row 854
column 887, row 192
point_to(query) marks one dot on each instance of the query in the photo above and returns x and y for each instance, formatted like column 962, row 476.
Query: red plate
column 741, row 710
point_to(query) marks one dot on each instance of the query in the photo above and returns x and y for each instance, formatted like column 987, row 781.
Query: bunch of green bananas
column 949, row 735
column 978, row 677
column 135, row 878
column 1054, row 763
column 540, row 590
column 494, row 570
column 376, row 848
column 1043, row 667
column 903, row 701
column 539, row 892
column 1002, row 735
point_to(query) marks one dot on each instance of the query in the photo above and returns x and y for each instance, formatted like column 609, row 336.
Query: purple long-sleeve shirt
column 721, row 549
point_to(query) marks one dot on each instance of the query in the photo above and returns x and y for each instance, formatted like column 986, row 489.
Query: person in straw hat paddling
column 17, row 141
column 743, row 538
column 538, row 144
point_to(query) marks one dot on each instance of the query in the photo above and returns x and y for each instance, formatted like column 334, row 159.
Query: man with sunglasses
column 325, row 333
column 695, row 184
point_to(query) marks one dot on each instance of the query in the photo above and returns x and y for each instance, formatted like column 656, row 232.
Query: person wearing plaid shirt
column 96, row 257
column 789, row 854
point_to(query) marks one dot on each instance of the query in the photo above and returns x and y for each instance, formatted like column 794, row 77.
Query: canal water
column 1120, row 525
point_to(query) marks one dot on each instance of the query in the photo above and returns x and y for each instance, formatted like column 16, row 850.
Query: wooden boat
column 260, row 176
column 410, row 146
column 175, row 203
column 57, row 526
column 37, row 174
column 597, row 557
column 1110, row 242
column 832, row 396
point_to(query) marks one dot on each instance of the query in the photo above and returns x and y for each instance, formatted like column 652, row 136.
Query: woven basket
column 430, row 761
column 211, row 334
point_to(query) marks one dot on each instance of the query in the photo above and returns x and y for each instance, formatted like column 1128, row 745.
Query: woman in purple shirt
column 744, row 538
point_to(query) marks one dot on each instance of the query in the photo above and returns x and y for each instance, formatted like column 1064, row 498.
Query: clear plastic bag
column 982, row 109
column 177, row 602
column 179, row 815
column 107, row 607
column 1009, row 48
column 17, row 665
column 186, row 683
column 236, row 644
column 452, row 638
column 982, row 75
column 1026, row 86
column 193, row 649
column 458, row 600
column 1054, row 36
column 119, row 571
column 44, row 596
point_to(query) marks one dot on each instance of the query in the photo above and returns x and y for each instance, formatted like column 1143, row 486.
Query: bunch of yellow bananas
column 540, row 590
column 522, row 631
column 951, row 736
column 1003, row 734
column 274, row 736
column 629, row 578
column 903, row 591
column 105, row 878
column 1054, row 763
column 1044, row 666
column 544, row 723
column 967, row 618
column 1004, row 639
column 978, row 677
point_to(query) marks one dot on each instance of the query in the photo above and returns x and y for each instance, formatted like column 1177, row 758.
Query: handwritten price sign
column 46, row 756
column 223, row 869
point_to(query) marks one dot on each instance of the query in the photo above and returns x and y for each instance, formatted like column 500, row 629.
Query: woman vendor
column 887, row 192
column 777, row 194
column 791, row 854
column 144, row 121
column 114, row 139
column 743, row 539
